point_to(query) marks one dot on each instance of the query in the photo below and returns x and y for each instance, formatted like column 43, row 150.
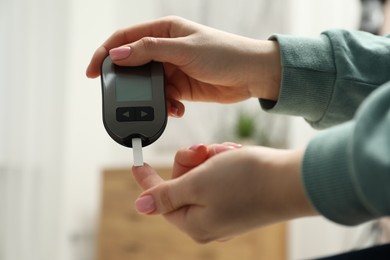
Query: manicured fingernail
column 224, row 148
column 235, row 145
column 145, row 204
column 120, row 53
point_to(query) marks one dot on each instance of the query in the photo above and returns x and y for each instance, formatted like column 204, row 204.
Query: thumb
column 146, row 177
column 164, row 198
column 169, row 50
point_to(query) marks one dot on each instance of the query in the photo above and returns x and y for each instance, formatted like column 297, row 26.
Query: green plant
column 245, row 127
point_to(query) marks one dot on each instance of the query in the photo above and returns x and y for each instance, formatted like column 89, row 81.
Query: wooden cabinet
column 124, row 235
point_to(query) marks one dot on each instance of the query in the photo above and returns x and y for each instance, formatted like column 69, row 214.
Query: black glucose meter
column 134, row 105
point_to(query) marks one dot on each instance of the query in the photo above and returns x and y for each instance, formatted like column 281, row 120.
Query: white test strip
column 137, row 152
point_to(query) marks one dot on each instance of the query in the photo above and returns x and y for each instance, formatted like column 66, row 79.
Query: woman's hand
column 201, row 63
column 215, row 196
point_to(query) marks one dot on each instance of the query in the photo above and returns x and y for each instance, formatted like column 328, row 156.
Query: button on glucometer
column 125, row 114
column 144, row 114
column 129, row 114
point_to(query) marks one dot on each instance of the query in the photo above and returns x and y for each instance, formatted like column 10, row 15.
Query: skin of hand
column 220, row 191
column 201, row 63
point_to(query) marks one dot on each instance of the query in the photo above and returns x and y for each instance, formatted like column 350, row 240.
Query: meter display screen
column 140, row 88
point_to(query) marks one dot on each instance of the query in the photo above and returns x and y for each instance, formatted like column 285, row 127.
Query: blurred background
column 53, row 146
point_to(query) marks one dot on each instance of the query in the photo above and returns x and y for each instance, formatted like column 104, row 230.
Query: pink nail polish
column 235, row 145
column 223, row 148
column 145, row 204
column 120, row 53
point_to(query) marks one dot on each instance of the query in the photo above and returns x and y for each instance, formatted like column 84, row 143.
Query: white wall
column 33, row 54
column 312, row 17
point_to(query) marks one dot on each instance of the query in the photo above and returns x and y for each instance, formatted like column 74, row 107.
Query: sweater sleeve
column 338, row 79
column 326, row 78
column 346, row 169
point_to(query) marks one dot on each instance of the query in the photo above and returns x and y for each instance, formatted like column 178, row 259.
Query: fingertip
column 188, row 158
column 93, row 69
column 136, row 169
column 175, row 108
column 91, row 74
column 199, row 154
column 198, row 148
column 146, row 176
column 142, row 169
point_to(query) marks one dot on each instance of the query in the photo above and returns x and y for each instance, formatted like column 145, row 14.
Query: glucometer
column 134, row 106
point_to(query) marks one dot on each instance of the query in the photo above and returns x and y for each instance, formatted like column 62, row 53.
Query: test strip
column 137, row 152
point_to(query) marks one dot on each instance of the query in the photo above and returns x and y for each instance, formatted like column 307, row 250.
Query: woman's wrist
column 266, row 80
column 300, row 204
column 284, row 197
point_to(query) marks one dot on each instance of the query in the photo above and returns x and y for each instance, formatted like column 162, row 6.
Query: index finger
column 188, row 158
column 161, row 28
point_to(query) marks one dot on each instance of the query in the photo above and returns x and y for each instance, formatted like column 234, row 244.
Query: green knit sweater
column 338, row 81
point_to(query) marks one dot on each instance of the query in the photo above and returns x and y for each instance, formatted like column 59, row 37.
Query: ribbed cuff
column 307, row 84
column 328, row 177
